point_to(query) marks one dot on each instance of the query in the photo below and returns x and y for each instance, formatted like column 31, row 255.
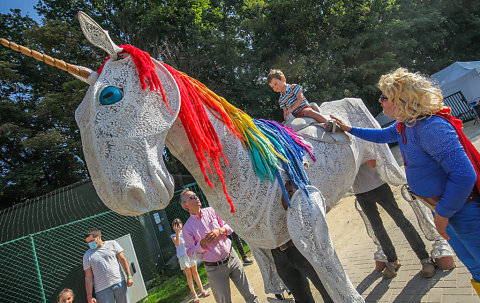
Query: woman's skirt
column 186, row 262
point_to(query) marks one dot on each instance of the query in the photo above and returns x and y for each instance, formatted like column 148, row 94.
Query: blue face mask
column 93, row 245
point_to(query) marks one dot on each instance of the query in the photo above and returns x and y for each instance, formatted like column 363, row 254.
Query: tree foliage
column 333, row 48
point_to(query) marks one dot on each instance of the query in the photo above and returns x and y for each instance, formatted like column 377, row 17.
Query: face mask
column 93, row 245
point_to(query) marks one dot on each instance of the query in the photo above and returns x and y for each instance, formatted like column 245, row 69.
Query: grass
column 175, row 288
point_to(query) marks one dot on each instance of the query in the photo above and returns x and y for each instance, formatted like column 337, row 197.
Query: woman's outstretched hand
column 344, row 127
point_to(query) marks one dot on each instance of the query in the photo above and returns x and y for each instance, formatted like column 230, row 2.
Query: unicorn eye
column 110, row 95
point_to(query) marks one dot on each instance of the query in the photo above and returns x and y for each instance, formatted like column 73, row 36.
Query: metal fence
column 36, row 267
column 42, row 241
column 460, row 107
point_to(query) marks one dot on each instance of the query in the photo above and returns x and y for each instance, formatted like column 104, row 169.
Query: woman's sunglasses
column 192, row 197
column 383, row 98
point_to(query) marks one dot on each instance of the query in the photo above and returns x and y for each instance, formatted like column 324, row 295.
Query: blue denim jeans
column 117, row 293
column 464, row 231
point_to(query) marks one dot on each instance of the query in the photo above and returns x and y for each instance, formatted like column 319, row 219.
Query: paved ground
column 355, row 250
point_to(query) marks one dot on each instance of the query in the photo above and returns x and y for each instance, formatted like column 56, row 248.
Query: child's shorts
column 299, row 111
column 186, row 262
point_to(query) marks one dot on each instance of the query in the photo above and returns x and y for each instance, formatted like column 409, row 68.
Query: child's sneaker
column 331, row 126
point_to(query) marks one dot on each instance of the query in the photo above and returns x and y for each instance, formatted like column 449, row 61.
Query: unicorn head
column 123, row 129
column 122, row 125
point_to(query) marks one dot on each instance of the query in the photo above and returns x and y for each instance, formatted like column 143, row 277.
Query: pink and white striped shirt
column 195, row 229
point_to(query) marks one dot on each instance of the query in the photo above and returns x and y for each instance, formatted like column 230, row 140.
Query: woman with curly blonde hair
column 412, row 95
column 441, row 164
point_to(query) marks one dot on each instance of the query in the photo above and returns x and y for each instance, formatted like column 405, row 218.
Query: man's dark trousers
column 294, row 269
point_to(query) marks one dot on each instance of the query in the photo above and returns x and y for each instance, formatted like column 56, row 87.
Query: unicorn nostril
column 136, row 197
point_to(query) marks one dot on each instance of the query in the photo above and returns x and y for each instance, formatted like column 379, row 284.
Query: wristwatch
column 221, row 231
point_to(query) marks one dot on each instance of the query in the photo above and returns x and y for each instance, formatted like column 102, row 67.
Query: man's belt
column 431, row 203
column 286, row 245
column 223, row 261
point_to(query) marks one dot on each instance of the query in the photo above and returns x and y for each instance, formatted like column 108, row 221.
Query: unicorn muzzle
column 135, row 199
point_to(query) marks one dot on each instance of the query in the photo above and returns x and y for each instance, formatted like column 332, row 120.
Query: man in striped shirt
column 103, row 264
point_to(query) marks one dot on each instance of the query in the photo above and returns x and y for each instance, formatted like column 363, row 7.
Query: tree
column 40, row 142
column 333, row 48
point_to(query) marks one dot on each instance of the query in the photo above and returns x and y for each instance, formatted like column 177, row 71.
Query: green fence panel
column 49, row 241
column 36, row 268
column 19, row 273
column 63, row 268
column 62, row 206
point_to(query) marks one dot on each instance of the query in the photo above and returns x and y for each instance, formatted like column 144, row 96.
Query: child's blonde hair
column 413, row 95
column 275, row 74
column 65, row 290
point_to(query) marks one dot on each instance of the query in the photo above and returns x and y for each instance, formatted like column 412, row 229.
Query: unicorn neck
column 179, row 145
column 223, row 127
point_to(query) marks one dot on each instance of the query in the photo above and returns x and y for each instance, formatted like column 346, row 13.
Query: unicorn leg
column 309, row 231
column 441, row 250
column 271, row 280
column 379, row 256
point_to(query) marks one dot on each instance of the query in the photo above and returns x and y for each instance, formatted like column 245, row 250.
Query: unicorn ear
column 97, row 36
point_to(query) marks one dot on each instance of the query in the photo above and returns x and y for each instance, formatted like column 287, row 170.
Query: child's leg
column 197, row 278
column 310, row 113
column 188, row 274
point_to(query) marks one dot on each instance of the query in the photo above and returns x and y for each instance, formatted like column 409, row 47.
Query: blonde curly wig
column 412, row 94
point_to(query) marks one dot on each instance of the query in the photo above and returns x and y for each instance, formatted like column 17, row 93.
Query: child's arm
column 300, row 99
column 176, row 239
column 295, row 105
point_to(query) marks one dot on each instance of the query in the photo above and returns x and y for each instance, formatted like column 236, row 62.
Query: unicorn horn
column 82, row 72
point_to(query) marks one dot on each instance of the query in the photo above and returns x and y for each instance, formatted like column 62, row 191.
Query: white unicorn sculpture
column 123, row 141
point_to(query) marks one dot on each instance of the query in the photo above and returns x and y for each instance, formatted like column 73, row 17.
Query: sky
column 25, row 5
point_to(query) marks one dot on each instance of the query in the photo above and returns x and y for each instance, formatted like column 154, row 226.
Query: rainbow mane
column 267, row 142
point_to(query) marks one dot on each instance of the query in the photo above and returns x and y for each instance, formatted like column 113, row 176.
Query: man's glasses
column 383, row 98
column 193, row 197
